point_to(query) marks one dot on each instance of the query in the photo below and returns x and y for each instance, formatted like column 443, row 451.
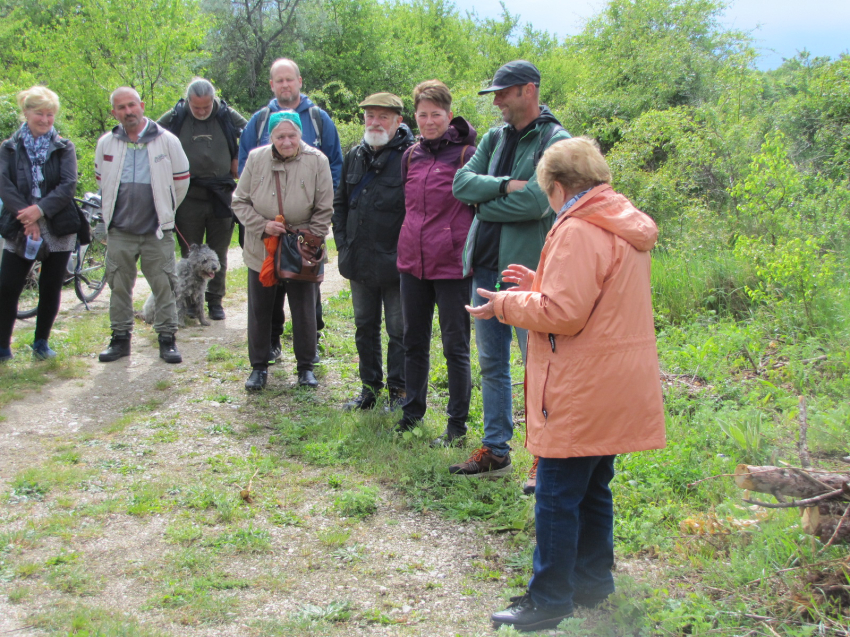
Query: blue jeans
column 494, row 357
column 367, row 301
column 574, row 520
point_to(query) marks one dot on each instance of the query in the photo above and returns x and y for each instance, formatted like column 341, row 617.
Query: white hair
column 199, row 87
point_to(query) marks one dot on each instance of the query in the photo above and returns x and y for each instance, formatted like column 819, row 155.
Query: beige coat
column 596, row 391
column 308, row 196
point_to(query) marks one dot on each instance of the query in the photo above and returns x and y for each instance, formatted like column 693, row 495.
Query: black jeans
column 13, row 276
column 367, row 301
column 263, row 302
column 418, row 297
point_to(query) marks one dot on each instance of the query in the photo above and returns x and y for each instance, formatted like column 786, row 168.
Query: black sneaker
column 275, row 353
column 215, row 311
column 523, row 615
column 168, row 348
column 484, row 463
column 448, row 439
column 307, row 379
column 119, row 347
column 257, row 380
column 395, row 398
column 366, row 400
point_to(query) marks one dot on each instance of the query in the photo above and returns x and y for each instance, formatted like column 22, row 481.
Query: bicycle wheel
column 28, row 301
column 90, row 280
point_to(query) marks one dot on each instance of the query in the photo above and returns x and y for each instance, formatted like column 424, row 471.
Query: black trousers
column 263, row 302
column 418, row 297
column 13, row 276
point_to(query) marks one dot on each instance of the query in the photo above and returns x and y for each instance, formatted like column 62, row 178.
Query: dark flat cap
column 513, row 74
column 384, row 100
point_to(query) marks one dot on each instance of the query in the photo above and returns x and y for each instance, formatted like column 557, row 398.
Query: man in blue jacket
column 318, row 130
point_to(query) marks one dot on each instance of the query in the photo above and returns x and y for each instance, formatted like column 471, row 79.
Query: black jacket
column 369, row 211
column 60, row 186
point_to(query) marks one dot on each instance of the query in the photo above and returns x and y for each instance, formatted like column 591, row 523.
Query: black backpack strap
column 231, row 133
column 545, row 138
column 318, row 125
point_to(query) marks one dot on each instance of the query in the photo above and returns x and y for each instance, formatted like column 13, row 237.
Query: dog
column 193, row 274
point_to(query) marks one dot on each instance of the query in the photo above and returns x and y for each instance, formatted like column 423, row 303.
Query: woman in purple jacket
column 429, row 258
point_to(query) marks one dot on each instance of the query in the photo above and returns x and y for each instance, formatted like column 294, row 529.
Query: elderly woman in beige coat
column 307, row 195
column 592, row 379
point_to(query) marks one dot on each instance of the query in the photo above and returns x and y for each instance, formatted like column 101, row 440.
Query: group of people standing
column 519, row 230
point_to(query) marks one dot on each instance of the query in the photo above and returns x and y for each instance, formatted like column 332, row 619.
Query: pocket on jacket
column 538, row 378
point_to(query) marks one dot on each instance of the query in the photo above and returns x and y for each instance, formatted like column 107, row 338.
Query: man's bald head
column 124, row 89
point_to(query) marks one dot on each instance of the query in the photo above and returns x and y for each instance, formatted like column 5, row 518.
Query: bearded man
column 368, row 213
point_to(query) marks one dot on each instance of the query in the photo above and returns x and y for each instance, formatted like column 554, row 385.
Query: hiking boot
column 395, row 399
column 525, row 616
column 275, row 353
column 168, row 349
column 5, row 354
column 41, row 350
column 531, row 481
column 448, row 438
column 366, row 400
column 215, row 311
column 119, row 347
column 257, row 380
column 484, row 463
column 307, row 379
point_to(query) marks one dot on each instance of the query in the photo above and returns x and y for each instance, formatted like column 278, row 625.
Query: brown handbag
column 300, row 255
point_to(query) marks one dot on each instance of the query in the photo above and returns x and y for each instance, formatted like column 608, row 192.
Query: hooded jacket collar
column 611, row 211
column 305, row 104
column 151, row 132
column 459, row 132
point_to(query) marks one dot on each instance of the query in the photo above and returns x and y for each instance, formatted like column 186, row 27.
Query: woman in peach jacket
column 592, row 379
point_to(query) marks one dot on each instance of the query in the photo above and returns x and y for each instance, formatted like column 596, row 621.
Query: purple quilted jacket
column 435, row 224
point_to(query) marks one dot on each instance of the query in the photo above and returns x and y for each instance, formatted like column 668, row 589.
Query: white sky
column 780, row 27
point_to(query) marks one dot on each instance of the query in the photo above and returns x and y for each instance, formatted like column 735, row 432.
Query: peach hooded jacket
column 592, row 378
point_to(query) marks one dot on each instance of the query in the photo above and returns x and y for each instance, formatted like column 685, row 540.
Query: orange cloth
column 268, row 276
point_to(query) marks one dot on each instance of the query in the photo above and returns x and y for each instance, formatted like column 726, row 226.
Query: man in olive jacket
column 368, row 212
column 511, row 221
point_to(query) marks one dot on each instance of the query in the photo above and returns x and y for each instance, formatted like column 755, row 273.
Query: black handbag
column 84, row 233
column 300, row 256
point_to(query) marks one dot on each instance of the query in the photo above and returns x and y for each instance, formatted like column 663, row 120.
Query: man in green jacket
column 511, row 221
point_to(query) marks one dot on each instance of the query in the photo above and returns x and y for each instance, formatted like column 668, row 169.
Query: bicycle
column 86, row 267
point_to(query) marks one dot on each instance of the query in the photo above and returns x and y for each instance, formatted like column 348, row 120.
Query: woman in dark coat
column 38, row 180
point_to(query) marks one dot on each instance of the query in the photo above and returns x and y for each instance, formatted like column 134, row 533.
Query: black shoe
column 215, row 311
column 307, row 379
column 168, row 349
column 366, row 400
column 405, row 424
column 275, row 354
column 317, row 359
column 523, row 615
column 119, row 347
column 395, row 399
column 448, row 439
column 257, row 380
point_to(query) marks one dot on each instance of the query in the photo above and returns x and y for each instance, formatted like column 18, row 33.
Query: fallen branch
column 837, row 529
column 796, row 503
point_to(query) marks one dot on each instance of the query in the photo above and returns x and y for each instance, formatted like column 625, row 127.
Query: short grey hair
column 123, row 89
column 199, row 87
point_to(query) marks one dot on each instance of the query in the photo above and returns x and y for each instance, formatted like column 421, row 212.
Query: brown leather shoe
column 484, row 463
column 531, row 481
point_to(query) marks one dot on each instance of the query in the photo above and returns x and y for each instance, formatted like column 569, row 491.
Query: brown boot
column 531, row 482
column 485, row 464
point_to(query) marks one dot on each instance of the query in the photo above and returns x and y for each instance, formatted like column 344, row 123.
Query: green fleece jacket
column 525, row 214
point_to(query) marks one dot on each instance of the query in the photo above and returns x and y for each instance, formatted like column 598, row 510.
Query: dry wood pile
column 823, row 497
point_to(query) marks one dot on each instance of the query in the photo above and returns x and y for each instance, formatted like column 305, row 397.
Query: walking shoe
column 395, row 399
column 523, row 615
column 366, row 400
column 531, row 481
column 41, row 350
column 119, row 347
column 275, row 353
column 317, row 359
column 168, row 348
column 484, row 463
column 215, row 311
column 307, row 379
column 257, row 380
column 448, row 439
column 5, row 354
column 405, row 424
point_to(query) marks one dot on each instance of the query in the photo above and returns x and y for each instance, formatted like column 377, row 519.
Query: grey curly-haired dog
column 193, row 274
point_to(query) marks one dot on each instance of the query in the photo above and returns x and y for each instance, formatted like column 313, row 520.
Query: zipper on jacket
column 552, row 342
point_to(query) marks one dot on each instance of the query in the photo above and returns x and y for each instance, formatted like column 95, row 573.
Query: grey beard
column 376, row 138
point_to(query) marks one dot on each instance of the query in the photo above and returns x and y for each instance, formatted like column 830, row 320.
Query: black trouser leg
column 261, row 302
column 302, row 310
column 53, row 271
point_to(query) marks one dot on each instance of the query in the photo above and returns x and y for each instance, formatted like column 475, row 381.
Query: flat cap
column 513, row 74
column 384, row 100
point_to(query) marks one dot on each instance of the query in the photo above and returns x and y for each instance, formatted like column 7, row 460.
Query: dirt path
column 414, row 574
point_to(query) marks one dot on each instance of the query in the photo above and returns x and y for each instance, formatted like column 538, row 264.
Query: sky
column 780, row 28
